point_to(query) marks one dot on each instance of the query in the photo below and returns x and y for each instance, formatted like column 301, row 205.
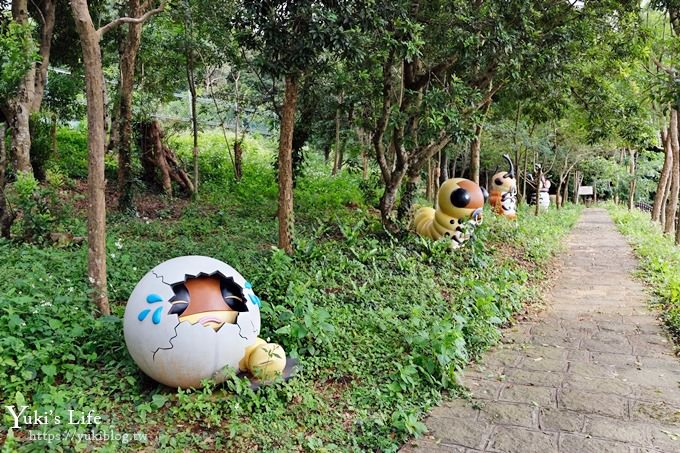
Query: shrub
column 41, row 143
column 659, row 260
column 36, row 203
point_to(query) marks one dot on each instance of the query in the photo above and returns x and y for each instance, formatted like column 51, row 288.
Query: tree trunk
column 128, row 57
column 558, row 192
column 664, row 177
column 435, row 179
column 565, row 194
column 336, row 161
column 238, row 160
column 428, row 188
column 48, row 11
column 364, row 161
column 475, row 151
column 525, row 172
column 406, row 202
column 160, row 164
column 285, row 214
column 194, row 114
column 677, row 231
column 538, row 190
column 96, row 136
column 633, row 181
column 443, row 167
column 53, row 136
column 476, row 146
column 577, row 183
column 7, row 216
column 238, row 140
column 19, row 107
column 388, row 199
column 672, row 206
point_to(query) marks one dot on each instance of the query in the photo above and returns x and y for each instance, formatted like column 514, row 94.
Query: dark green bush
column 41, row 143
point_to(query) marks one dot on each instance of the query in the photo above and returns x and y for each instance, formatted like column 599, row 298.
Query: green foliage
column 37, row 205
column 71, row 155
column 17, row 53
column 41, row 143
column 380, row 326
column 660, row 260
column 64, row 96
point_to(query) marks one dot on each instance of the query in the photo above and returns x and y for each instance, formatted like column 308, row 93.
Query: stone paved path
column 593, row 373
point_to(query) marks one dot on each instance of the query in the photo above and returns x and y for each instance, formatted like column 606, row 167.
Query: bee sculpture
column 459, row 210
column 503, row 193
column 543, row 195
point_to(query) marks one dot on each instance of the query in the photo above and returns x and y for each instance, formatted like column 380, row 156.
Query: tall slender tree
column 291, row 38
column 96, row 142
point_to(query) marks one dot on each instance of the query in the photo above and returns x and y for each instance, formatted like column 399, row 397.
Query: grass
column 380, row 324
column 659, row 261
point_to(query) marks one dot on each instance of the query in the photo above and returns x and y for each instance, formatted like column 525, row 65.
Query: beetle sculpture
column 459, row 210
column 503, row 193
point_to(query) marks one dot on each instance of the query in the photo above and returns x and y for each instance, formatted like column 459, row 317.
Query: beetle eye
column 499, row 182
column 460, row 198
column 178, row 308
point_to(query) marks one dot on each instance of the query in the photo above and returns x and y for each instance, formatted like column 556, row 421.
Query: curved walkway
column 593, row 373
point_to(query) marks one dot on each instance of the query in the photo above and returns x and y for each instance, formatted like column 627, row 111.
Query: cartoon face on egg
column 188, row 319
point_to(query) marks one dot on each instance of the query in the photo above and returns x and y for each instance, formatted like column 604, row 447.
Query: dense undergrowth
column 380, row 324
column 659, row 261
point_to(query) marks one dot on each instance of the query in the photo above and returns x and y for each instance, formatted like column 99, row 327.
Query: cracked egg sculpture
column 192, row 316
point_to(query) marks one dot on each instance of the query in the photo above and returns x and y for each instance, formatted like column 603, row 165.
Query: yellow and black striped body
column 459, row 207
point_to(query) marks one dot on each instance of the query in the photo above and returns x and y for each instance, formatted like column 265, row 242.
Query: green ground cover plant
column 659, row 261
column 380, row 324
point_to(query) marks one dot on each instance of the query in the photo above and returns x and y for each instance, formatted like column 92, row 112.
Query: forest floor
column 594, row 372
column 381, row 324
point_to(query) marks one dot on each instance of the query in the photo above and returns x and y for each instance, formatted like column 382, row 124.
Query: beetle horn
column 511, row 172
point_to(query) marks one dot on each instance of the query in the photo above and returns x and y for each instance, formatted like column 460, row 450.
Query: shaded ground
column 593, row 373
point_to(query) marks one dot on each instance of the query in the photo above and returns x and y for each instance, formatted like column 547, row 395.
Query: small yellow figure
column 264, row 360
column 460, row 205
column 503, row 193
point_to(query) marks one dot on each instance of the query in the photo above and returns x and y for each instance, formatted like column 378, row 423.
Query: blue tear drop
column 153, row 298
column 254, row 299
column 143, row 314
column 156, row 318
column 249, row 286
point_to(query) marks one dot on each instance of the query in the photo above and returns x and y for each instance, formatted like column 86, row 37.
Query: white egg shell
column 181, row 354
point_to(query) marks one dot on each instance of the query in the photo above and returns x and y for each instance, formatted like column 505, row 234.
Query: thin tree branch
column 42, row 16
column 130, row 20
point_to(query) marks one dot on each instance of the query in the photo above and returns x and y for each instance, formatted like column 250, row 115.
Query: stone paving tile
column 574, row 443
column 593, row 373
column 550, row 419
column 632, row 433
column 459, row 431
column 502, row 413
column 593, row 403
column 507, row 438
column 527, row 377
column 538, row 396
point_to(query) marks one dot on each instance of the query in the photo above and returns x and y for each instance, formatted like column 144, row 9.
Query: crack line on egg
column 169, row 341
